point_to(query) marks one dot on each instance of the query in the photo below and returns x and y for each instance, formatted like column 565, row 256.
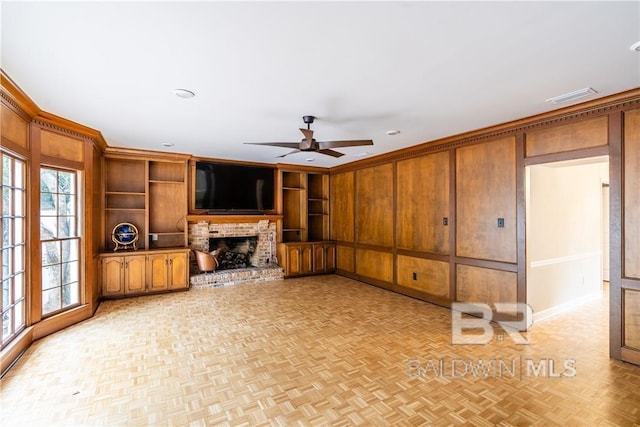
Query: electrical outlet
column 445, row 221
column 415, row 276
column 501, row 222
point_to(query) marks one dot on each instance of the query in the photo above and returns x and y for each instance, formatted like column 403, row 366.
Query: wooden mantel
column 223, row 219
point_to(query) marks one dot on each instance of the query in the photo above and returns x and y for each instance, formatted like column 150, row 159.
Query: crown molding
column 12, row 93
column 619, row 101
column 60, row 124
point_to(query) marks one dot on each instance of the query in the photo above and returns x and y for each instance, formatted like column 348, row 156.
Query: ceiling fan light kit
column 310, row 144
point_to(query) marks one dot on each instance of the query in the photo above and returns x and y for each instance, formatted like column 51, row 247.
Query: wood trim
column 56, row 161
column 68, row 127
column 568, row 155
column 493, row 265
column 521, row 215
column 14, row 96
column 589, row 109
column 630, row 355
column 632, row 284
column 423, row 255
column 60, row 321
column 366, row 246
column 452, row 224
column 224, row 219
column 294, row 168
column 33, row 286
column 616, row 213
column 134, row 153
column 10, row 354
column 14, row 148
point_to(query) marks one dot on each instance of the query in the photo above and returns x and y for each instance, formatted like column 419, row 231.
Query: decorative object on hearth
column 309, row 143
column 125, row 236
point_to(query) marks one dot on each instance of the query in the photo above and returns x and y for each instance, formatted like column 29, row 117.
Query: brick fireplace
column 263, row 260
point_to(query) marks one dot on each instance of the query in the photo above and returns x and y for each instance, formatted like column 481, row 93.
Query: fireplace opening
column 234, row 252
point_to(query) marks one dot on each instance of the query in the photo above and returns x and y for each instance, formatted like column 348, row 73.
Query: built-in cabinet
column 149, row 192
column 140, row 272
column 307, row 258
column 304, row 248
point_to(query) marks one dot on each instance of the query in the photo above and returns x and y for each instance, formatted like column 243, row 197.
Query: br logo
column 479, row 318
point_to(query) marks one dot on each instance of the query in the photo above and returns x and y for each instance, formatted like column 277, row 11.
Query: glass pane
column 48, row 181
column 47, row 204
column 18, row 231
column 18, row 179
column 18, row 286
column 66, row 182
column 70, row 294
column 6, row 170
column 18, row 259
column 6, row 324
column 66, row 226
column 18, row 206
column 51, row 253
column 66, row 204
column 51, row 277
column 48, row 227
column 19, row 315
column 6, row 294
column 69, row 272
column 70, row 250
column 6, row 232
column 51, row 300
column 6, row 263
column 6, row 201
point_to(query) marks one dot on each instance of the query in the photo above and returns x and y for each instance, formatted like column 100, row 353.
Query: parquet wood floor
column 311, row 351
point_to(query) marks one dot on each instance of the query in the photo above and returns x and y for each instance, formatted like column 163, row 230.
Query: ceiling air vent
column 571, row 96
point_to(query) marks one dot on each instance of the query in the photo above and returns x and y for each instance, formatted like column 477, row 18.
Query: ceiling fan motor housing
column 308, row 119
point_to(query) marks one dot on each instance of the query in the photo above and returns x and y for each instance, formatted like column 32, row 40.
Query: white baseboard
column 550, row 312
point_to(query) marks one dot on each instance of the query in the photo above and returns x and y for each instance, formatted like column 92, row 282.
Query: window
column 60, row 240
column 13, row 247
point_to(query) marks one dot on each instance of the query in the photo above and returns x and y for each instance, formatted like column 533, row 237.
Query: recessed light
column 167, row 144
column 635, row 46
column 571, row 96
column 363, row 154
column 393, row 132
column 184, row 93
column 309, row 159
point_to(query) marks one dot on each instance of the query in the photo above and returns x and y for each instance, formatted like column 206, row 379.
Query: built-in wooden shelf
column 222, row 219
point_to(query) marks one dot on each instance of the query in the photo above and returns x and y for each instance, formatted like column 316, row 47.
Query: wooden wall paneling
column 631, row 305
column 485, row 192
column 477, row 284
column 346, row 258
column 574, row 136
column 342, row 207
column 374, row 206
column 60, row 146
column 521, row 215
column 14, row 128
column 431, row 276
column 375, row 265
column 423, row 202
column 631, row 183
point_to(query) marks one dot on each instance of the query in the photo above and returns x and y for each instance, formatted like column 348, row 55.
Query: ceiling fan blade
column 330, row 152
column 353, row 143
column 277, row 144
column 308, row 139
column 291, row 152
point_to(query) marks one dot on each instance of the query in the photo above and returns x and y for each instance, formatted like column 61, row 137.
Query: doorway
column 567, row 233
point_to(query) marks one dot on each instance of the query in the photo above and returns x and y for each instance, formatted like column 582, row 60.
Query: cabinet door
column 112, row 276
column 319, row 258
column 134, row 274
column 293, row 261
column 306, row 259
column 178, row 273
column 157, row 276
column 330, row 258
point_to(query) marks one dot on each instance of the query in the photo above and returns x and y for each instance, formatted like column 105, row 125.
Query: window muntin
column 13, row 247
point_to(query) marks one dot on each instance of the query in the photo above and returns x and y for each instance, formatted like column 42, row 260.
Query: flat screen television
column 231, row 188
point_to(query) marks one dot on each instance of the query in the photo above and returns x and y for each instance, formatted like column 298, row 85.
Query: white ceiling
column 428, row 69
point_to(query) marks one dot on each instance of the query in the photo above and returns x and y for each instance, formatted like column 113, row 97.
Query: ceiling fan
column 309, row 143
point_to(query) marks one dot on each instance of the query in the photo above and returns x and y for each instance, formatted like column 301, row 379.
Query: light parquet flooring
column 311, row 351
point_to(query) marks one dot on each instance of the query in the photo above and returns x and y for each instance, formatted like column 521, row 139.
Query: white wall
column 564, row 234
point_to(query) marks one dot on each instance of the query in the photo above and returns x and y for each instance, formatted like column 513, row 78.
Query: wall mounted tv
column 231, row 188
